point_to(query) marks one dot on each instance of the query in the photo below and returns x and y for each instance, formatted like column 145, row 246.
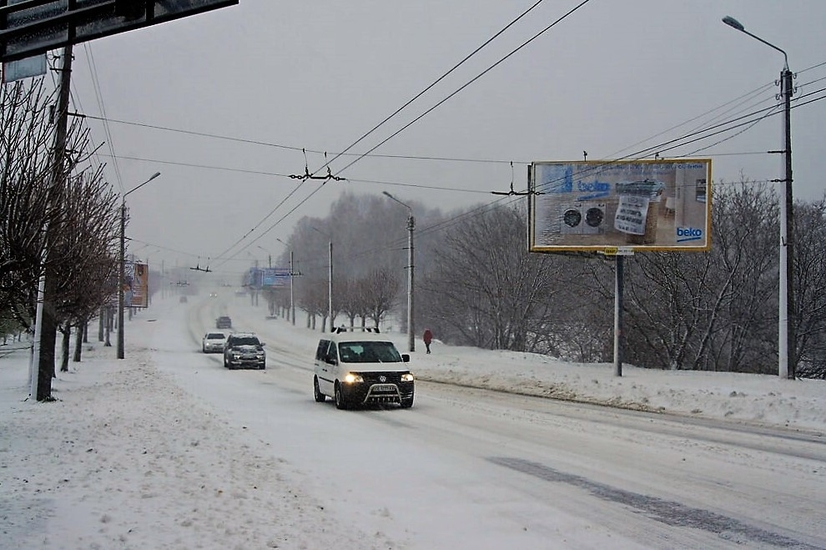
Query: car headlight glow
column 351, row 378
column 407, row 377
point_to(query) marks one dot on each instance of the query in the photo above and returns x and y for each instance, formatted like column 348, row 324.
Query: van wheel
column 407, row 403
column 341, row 402
column 319, row 397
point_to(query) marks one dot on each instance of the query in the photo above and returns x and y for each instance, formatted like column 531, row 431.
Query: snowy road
column 473, row 468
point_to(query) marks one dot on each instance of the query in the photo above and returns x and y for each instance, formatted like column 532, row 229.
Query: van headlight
column 407, row 377
column 351, row 378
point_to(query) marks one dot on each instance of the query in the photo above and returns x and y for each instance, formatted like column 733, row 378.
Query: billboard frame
column 32, row 27
column 620, row 206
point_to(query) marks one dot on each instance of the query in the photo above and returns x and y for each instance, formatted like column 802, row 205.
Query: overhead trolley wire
column 461, row 88
column 360, row 157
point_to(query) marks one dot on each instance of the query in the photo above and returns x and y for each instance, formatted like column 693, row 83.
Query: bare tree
column 810, row 290
column 25, row 171
column 378, row 293
column 709, row 310
column 487, row 290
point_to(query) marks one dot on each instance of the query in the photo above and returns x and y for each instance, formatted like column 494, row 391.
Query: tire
column 407, row 403
column 341, row 401
column 317, row 395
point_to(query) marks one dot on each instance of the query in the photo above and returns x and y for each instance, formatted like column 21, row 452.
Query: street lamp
column 292, row 274
column 411, row 224
column 122, row 270
column 269, row 255
column 786, row 328
column 330, row 279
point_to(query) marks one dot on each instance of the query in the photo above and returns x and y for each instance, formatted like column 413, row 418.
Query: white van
column 361, row 367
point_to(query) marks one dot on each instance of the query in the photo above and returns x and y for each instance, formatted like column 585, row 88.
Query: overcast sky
column 241, row 90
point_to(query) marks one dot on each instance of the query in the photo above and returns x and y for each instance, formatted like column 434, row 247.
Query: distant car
column 223, row 322
column 244, row 349
column 213, row 294
column 213, row 342
column 360, row 369
column 182, row 299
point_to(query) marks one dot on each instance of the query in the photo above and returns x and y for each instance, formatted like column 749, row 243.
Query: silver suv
column 359, row 368
column 244, row 349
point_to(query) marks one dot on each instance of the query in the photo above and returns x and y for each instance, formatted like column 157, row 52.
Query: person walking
column 427, row 337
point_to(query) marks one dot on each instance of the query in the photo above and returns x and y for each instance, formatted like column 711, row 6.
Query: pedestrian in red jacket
column 427, row 337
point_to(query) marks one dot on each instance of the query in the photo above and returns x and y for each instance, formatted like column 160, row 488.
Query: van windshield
column 369, row 352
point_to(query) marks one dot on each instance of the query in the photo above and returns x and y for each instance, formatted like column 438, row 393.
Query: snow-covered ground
column 127, row 457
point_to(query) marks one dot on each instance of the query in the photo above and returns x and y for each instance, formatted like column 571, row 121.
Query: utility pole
column 787, row 308
column 411, row 225
column 330, row 288
column 46, row 323
column 292, row 296
column 411, row 330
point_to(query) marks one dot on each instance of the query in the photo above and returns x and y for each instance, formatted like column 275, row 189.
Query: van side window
column 321, row 351
column 332, row 354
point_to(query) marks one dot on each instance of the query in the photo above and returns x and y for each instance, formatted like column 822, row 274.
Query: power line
column 464, row 86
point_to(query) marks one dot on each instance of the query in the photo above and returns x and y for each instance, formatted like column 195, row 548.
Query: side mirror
column 405, row 358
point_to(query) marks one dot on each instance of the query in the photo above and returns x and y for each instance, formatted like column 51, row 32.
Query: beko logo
column 689, row 234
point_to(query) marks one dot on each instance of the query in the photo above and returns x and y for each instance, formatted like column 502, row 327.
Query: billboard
column 140, row 286
column 275, row 277
column 620, row 206
column 135, row 284
column 35, row 27
column 267, row 277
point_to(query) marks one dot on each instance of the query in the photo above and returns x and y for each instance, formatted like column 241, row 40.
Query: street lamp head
column 391, row 197
column 734, row 23
column 155, row 175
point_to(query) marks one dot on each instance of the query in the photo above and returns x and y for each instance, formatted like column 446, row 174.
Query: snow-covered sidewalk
column 125, row 459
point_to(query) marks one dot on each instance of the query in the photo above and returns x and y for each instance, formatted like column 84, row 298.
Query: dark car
column 223, row 322
column 244, row 350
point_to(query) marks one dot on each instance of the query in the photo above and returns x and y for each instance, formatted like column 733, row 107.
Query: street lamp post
column 269, row 256
column 122, row 270
column 411, row 224
column 292, row 274
column 329, row 279
column 786, row 324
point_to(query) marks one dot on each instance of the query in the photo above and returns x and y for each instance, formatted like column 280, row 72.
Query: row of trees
column 477, row 284
column 57, row 216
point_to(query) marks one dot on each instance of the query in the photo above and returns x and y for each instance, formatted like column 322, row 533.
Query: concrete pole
column 411, row 330
column 330, row 289
column 292, row 295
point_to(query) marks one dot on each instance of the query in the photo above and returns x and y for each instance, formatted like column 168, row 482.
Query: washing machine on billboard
column 570, row 218
column 582, row 218
column 593, row 218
